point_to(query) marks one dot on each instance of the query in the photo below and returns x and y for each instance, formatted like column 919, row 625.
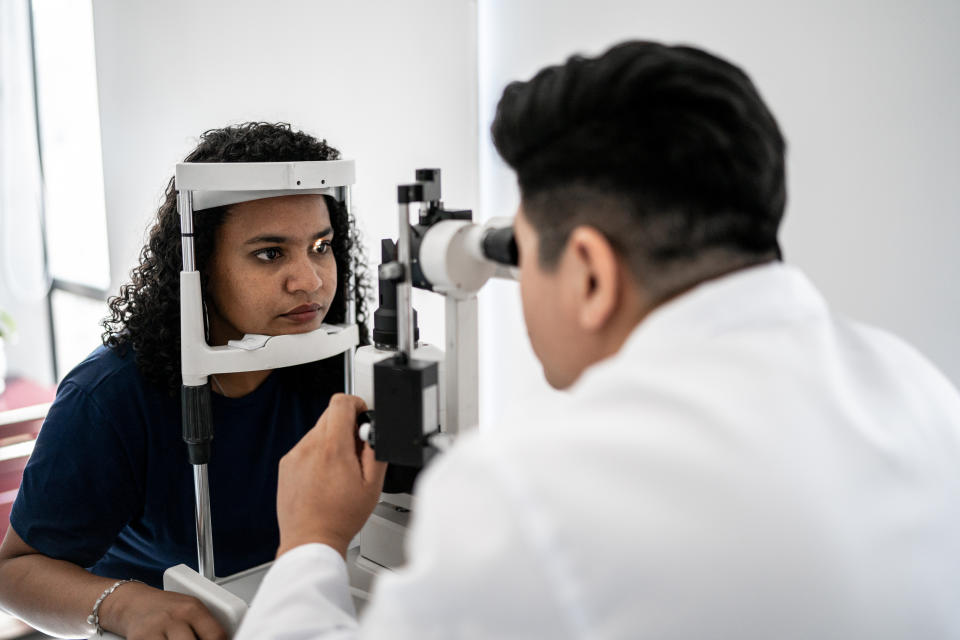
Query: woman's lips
column 303, row 313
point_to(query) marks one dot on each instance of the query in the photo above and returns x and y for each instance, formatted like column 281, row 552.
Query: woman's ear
column 595, row 270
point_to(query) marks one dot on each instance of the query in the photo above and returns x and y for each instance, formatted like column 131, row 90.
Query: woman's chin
column 288, row 328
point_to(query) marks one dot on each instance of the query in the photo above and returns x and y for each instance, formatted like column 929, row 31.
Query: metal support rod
column 404, row 300
column 201, row 485
column 348, row 357
column 461, row 364
column 185, row 207
column 201, row 489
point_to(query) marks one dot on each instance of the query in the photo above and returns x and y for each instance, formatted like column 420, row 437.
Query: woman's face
column 272, row 271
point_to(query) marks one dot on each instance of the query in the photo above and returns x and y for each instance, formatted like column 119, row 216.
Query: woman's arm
column 71, row 501
column 56, row 596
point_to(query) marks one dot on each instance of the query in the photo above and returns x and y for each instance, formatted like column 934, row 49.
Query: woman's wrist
column 116, row 608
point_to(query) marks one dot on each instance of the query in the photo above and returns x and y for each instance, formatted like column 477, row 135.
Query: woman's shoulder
column 110, row 369
column 107, row 388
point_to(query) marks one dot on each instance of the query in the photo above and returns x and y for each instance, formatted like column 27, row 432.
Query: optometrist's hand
column 330, row 482
column 140, row 612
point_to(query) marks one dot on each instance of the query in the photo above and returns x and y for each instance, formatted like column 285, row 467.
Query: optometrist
column 734, row 459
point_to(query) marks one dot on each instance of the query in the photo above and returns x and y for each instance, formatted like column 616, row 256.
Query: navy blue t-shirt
column 109, row 486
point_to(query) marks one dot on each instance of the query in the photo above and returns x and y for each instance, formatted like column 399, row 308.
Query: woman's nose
column 304, row 276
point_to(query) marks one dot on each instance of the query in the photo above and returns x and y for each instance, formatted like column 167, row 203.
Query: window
column 53, row 238
column 69, row 118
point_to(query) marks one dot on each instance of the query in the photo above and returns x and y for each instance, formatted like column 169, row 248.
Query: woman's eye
column 269, row 254
column 322, row 246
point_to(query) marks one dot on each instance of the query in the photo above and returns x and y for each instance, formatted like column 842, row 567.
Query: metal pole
column 404, row 301
column 461, row 364
column 201, row 485
column 351, row 316
column 185, row 207
column 201, row 489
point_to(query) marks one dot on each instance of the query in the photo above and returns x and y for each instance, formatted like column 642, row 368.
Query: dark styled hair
column 146, row 313
column 668, row 151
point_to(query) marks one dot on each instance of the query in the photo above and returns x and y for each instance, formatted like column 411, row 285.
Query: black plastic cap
column 407, row 193
column 197, row 422
column 199, row 453
column 426, row 175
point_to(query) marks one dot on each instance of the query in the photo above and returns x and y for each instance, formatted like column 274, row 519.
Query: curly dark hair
column 145, row 316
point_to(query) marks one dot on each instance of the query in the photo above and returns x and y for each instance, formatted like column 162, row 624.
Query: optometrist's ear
column 596, row 273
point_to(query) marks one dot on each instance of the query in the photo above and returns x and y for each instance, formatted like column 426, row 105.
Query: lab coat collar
column 751, row 297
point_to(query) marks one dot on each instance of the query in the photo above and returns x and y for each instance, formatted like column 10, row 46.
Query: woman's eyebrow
column 285, row 239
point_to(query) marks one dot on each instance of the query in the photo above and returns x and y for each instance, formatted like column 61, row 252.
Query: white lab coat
column 749, row 465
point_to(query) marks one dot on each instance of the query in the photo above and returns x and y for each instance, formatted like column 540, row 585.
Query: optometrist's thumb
column 373, row 470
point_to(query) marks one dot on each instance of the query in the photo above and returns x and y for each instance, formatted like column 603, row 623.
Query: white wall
column 391, row 84
column 868, row 96
column 866, row 92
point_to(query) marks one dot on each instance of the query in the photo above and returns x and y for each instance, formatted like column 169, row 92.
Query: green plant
column 7, row 325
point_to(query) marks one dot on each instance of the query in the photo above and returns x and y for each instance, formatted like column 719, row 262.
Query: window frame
column 55, row 284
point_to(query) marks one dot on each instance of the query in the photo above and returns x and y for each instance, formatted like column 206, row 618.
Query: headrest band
column 210, row 199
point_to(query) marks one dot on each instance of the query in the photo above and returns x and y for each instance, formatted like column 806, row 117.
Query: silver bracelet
column 94, row 617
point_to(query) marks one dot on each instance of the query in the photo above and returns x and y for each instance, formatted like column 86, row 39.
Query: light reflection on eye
column 322, row 246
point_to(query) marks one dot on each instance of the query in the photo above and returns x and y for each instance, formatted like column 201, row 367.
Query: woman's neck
column 237, row 385
column 231, row 385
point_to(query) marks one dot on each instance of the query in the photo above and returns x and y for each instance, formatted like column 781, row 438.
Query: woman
column 108, row 488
